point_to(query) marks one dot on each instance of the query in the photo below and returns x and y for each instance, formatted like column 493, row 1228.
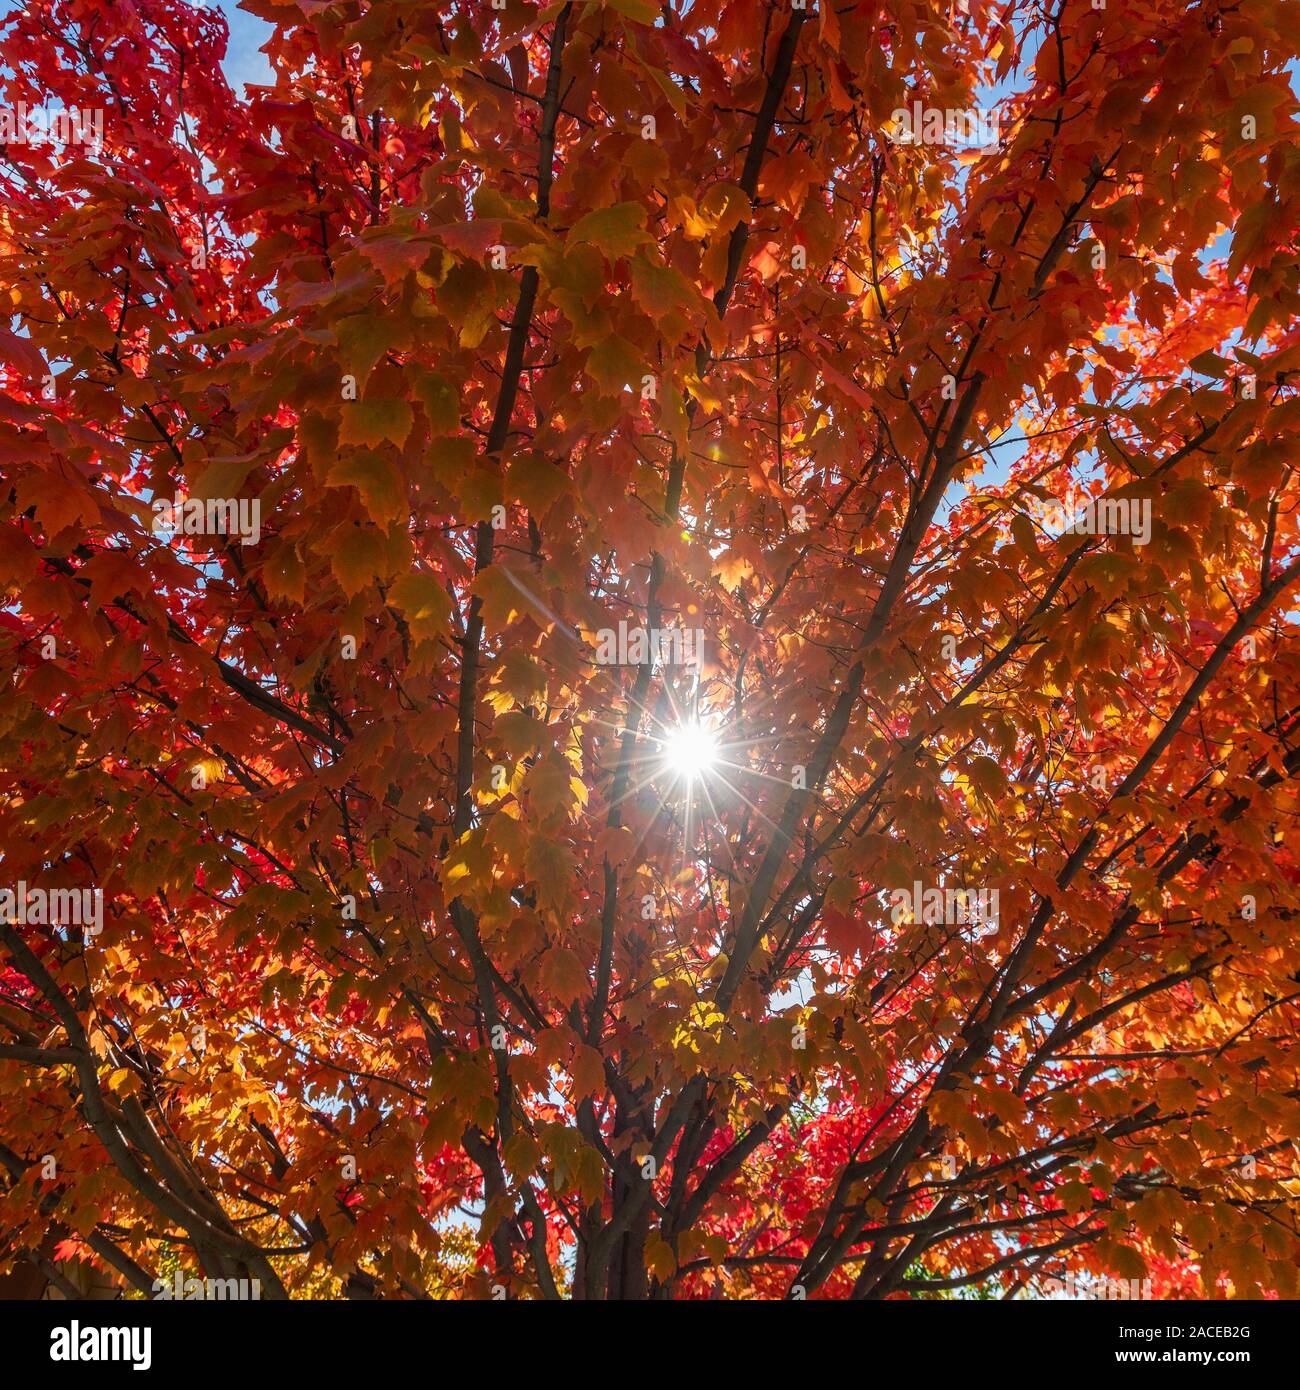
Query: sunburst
column 690, row 750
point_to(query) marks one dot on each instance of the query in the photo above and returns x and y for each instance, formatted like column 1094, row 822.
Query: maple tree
column 442, row 954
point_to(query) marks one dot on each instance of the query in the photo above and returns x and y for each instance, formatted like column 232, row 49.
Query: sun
column 690, row 751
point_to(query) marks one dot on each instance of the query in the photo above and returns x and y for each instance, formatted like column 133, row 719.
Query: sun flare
column 690, row 751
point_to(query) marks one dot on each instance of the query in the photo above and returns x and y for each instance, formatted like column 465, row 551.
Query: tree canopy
column 650, row 651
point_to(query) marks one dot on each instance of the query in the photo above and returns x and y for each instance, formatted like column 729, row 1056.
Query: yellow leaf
column 617, row 230
column 549, row 787
column 659, row 1257
column 423, row 603
column 501, row 594
column 519, row 733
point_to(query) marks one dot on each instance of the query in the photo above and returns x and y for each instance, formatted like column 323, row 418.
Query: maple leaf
column 617, row 231
column 373, row 422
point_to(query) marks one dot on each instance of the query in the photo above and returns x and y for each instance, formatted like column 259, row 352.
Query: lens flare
column 690, row 751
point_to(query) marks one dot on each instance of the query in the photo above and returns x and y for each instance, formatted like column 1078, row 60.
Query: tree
column 652, row 650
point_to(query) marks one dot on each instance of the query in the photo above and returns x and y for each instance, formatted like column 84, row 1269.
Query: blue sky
column 244, row 63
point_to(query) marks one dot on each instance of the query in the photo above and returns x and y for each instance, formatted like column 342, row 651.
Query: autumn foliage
column 425, row 966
